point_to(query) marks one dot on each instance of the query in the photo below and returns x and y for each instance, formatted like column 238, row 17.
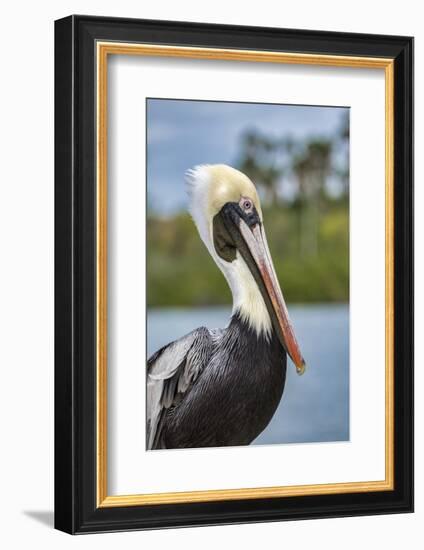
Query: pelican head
column 226, row 209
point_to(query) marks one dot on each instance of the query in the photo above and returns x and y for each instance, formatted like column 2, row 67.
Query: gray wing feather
column 171, row 372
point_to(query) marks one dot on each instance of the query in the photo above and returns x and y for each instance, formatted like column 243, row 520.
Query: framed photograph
column 234, row 274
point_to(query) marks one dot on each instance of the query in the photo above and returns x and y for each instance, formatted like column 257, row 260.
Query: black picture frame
column 76, row 510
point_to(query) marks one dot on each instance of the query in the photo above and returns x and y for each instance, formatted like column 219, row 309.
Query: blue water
column 315, row 406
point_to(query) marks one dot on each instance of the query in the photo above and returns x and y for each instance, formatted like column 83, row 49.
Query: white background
column 132, row 79
column 26, row 289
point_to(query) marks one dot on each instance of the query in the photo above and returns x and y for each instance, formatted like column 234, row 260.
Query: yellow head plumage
column 210, row 186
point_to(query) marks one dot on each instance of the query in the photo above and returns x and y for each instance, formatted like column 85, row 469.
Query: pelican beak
column 256, row 243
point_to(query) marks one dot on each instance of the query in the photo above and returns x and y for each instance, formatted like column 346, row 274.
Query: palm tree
column 311, row 167
column 260, row 160
column 342, row 145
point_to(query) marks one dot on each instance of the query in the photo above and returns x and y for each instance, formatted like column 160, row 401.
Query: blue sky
column 184, row 133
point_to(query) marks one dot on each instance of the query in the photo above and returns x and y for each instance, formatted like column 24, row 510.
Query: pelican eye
column 248, row 212
column 246, row 204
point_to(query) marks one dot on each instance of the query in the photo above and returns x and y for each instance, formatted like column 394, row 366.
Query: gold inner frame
column 104, row 49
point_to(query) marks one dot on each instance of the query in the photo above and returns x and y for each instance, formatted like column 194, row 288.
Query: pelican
column 213, row 388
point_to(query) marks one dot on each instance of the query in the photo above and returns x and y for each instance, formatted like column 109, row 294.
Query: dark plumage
column 223, row 391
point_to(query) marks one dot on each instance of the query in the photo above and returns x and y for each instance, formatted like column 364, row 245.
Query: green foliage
column 180, row 271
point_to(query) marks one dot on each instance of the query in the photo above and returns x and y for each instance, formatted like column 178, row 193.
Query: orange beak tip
column 300, row 369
